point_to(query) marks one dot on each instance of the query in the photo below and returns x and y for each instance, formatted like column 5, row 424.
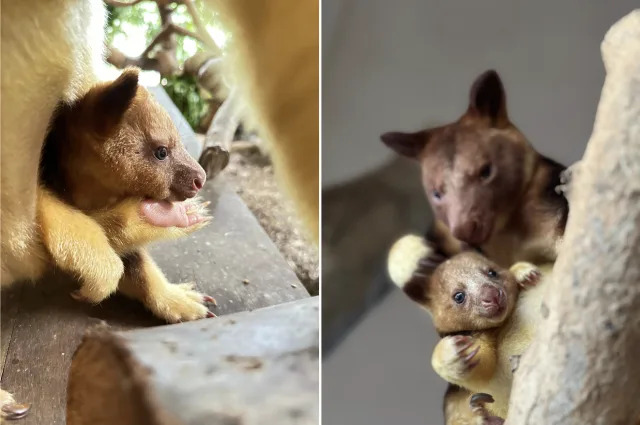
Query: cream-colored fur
column 91, row 246
column 51, row 51
column 493, row 372
column 404, row 258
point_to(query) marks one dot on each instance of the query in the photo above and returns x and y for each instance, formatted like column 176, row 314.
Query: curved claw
column 210, row 300
column 477, row 402
column 462, row 342
column 471, row 355
column 479, row 399
column 14, row 411
column 532, row 278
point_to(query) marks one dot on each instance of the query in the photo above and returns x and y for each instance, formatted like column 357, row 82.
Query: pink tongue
column 168, row 214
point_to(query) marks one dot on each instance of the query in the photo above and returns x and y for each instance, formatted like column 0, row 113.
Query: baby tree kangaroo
column 487, row 317
column 486, row 184
column 114, row 177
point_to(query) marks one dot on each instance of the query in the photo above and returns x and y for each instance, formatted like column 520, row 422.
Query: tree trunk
column 583, row 368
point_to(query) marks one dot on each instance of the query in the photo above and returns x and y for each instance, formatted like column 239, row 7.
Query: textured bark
column 217, row 142
column 583, row 367
column 250, row 368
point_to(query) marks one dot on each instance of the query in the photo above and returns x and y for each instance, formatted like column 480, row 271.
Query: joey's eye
column 161, row 153
column 437, row 195
column 492, row 273
column 485, row 172
column 458, row 297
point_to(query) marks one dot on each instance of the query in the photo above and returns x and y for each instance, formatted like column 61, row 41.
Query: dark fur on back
column 50, row 175
column 556, row 202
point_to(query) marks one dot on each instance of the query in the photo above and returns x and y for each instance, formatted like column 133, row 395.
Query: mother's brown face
column 474, row 168
column 472, row 179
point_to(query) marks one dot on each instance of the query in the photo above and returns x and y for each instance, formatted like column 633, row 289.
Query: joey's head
column 466, row 292
column 132, row 145
column 474, row 168
column 469, row 292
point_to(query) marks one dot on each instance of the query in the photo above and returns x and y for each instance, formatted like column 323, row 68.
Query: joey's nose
column 491, row 297
column 199, row 180
column 492, row 300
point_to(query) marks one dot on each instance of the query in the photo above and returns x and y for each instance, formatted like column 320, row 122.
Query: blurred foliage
column 183, row 90
column 144, row 15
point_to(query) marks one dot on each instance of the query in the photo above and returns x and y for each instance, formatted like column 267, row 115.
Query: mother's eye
column 436, row 195
column 161, row 153
column 459, row 297
column 492, row 273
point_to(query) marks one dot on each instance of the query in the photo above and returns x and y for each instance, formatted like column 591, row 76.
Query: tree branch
column 164, row 60
column 165, row 33
column 203, row 34
column 583, row 368
column 215, row 154
column 117, row 3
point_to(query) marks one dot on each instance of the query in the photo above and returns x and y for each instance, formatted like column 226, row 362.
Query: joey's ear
column 417, row 289
column 113, row 99
column 406, row 144
column 487, row 99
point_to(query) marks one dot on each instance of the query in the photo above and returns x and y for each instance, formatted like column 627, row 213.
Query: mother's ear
column 487, row 99
column 406, row 144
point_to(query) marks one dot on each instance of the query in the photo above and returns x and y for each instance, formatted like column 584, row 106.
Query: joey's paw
column 411, row 256
column 9, row 409
column 526, row 274
column 180, row 303
column 459, row 354
column 190, row 214
column 483, row 417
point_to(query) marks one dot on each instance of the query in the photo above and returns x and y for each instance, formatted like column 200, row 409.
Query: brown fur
column 97, row 166
column 101, row 149
column 480, row 331
column 486, row 183
column 487, row 300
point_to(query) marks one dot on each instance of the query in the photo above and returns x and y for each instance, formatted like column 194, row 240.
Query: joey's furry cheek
column 173, row 214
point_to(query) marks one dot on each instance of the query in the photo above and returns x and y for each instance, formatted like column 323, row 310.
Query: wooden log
column 249, row 368
column 217, row 142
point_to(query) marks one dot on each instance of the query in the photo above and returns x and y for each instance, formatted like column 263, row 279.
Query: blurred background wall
column 404, row 65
